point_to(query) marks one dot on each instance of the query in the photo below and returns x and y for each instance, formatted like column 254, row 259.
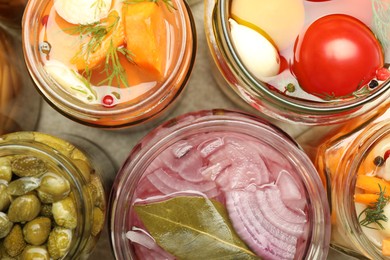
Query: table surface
column 201, row 93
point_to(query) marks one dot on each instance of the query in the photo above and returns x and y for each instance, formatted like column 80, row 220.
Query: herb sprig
column 374, row 213
column 96, row 33
column 168, row 3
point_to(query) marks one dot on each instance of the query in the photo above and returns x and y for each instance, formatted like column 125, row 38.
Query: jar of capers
column 52, row 200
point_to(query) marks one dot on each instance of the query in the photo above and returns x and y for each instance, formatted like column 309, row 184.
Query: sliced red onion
column 141, row 238
column 289, row 189
column 146, row 247
column 278, row 207
column 240, row 176
column 181, row 148
column 169, row 183
column 260, row 235
column 274, row 218
column 210, row 146
column 214, row 170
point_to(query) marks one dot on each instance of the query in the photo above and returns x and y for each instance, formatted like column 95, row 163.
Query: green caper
column 64, row 213
column 25, row 166
column 24, row 208
column 84, row 168
column 14, row 242
column 5, row 199
column 63, row 147
column 46, row 211
column 53, row 188
column 95, row 187
column 59, row 242
column 98, row 221
column 5, row 169
column 37, row 231
column 5, row 225
column 35, row 253
column 23, row 185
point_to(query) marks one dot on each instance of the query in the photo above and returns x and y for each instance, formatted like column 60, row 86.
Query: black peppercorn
column 379, row 161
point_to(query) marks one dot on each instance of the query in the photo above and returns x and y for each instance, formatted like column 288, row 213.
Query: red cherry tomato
column 335, row 56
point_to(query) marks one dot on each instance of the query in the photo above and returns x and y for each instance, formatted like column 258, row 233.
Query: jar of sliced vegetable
column 110, row 63
column 355, row 167
column 52, row 200
column 218, row 185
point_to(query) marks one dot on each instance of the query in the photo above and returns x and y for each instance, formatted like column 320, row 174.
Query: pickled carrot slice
column 386, row 247
column 115, row 37
column 373, row 184
column 146, row 35
column 366, row 198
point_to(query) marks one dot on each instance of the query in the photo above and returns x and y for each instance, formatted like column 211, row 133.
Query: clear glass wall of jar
column 342, row 160
column 236, row 80
column 11, row 12
column 197, row 138
column 140, row 81
column 58, row 204
column 20, row 104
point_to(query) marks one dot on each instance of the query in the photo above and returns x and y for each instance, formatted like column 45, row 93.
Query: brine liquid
column 59, row 43
column 264, row 198
column 373, row 13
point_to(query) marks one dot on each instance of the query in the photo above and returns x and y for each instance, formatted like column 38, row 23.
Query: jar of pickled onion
column 52, row 196
column 354, row 166
column 109, row 63
column 218, row 184
column 311, row 62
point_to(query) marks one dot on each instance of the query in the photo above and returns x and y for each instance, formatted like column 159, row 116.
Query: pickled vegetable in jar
column 312, row 62
column 52, row 200
column 109, row 63
column 355, row 169
column 217, row 184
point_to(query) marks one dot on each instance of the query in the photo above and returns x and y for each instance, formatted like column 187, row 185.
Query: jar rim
column 296, row 104
column 214, row 121
column 88, row 114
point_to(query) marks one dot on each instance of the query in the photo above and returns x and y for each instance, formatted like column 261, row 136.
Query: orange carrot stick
column 373, row 184
column 366, row 198
column 386, row 247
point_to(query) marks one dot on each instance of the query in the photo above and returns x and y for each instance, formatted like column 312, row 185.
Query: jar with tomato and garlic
column 109, row 63
column 311, row 62
column 218, row 185
column 354, row 165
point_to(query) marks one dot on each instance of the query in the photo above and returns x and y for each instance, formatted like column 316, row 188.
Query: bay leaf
column 193, row 228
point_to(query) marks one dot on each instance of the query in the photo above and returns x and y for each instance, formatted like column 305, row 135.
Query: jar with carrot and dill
column 109, row 63
column 355, row 167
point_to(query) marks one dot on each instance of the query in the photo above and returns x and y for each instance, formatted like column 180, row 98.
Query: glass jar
column 11, row 12
column 279, row 95
column 341, row 161
column 97, row 73
column 202, row 170
column 52, row 200
column 20, row 104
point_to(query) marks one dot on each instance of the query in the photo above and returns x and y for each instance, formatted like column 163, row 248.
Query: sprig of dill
column 374, row 213
column 98, row 4
column 113, row 67
column 97, row 32
column 168, row 3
